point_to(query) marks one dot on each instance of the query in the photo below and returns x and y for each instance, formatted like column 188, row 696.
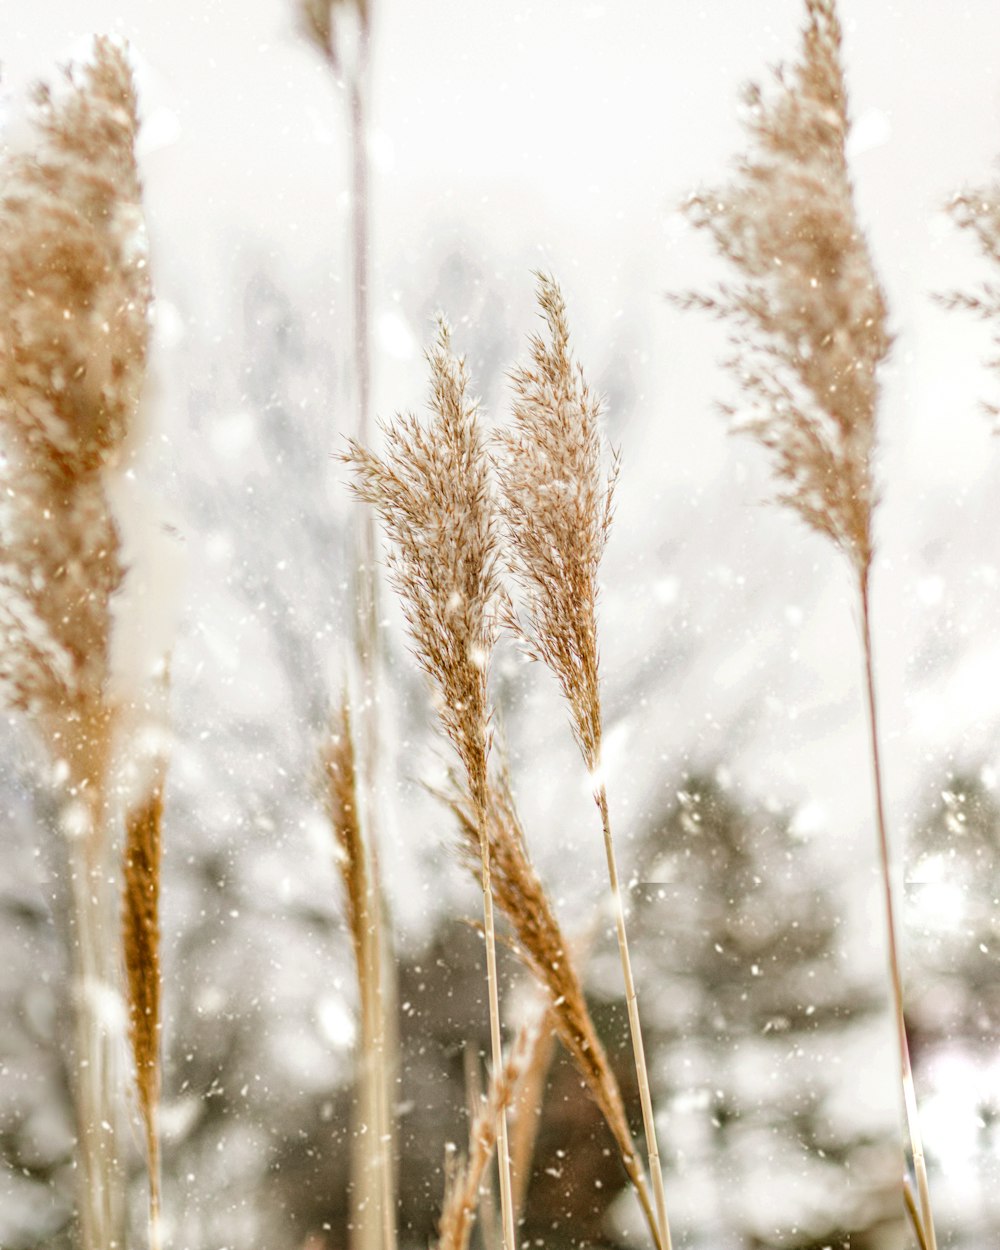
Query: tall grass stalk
column 74, row 330
column 557, row 506
column 432, row 490
column 341, row 31
column 809, row 329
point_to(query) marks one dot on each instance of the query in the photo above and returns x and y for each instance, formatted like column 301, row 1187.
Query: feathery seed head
column 432, row 490
column 556, row 504
column 809, row 317
column 74, row 300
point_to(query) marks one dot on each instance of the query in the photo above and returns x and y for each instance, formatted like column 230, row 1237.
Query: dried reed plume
column 557, row 504
column 808, row 322
column 543, row 948
column 74, row 299
column 461, row 1197
column 809, row 330
column 141, row 944
column 432, row 490
column 978, row 211
column 371, row 1162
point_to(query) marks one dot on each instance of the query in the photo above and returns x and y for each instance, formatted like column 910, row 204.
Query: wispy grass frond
column 319, row 21
column 432, row 489
column 433, row 493
column 978, row 211
column 340, row 798
column 74, row 301
column 807, row 313
column 556, row 502
column 808, row 322
column 557, row 506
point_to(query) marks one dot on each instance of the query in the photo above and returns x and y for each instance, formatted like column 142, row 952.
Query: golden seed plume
column 807, row 313
column 141, row 946
column 74, row 330
column 556, row 503
column 340, row 797
column 74, row 300
column 432, row 491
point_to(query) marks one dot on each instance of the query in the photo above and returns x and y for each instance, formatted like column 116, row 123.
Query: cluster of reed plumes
column 74, row 329
column 487, row 537
column 459, row 515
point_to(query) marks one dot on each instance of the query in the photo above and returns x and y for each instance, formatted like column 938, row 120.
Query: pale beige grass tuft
column 809, row 327
column 556, row 503
column 432, row 489
column 74, row 330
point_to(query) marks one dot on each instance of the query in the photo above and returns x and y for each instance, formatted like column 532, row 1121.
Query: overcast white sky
column 566, row 133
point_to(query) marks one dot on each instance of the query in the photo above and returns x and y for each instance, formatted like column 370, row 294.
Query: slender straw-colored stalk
column 809, row 323
column 433, row 492
column 635, row 1025
column 341, row 795
column 99, row 1075
column 489, row 1229
column 557, row 504
column 925, row 1227
column 496, row 1044
column 377, row 1193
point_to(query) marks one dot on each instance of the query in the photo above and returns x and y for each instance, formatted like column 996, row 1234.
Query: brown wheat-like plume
column 557, row 505
column 808, row 320
column 809, row 325
column 543, row 948
column 141, row 945
column 432, row 489
column 340, row 797
column 74, row 301
column 433, row 493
